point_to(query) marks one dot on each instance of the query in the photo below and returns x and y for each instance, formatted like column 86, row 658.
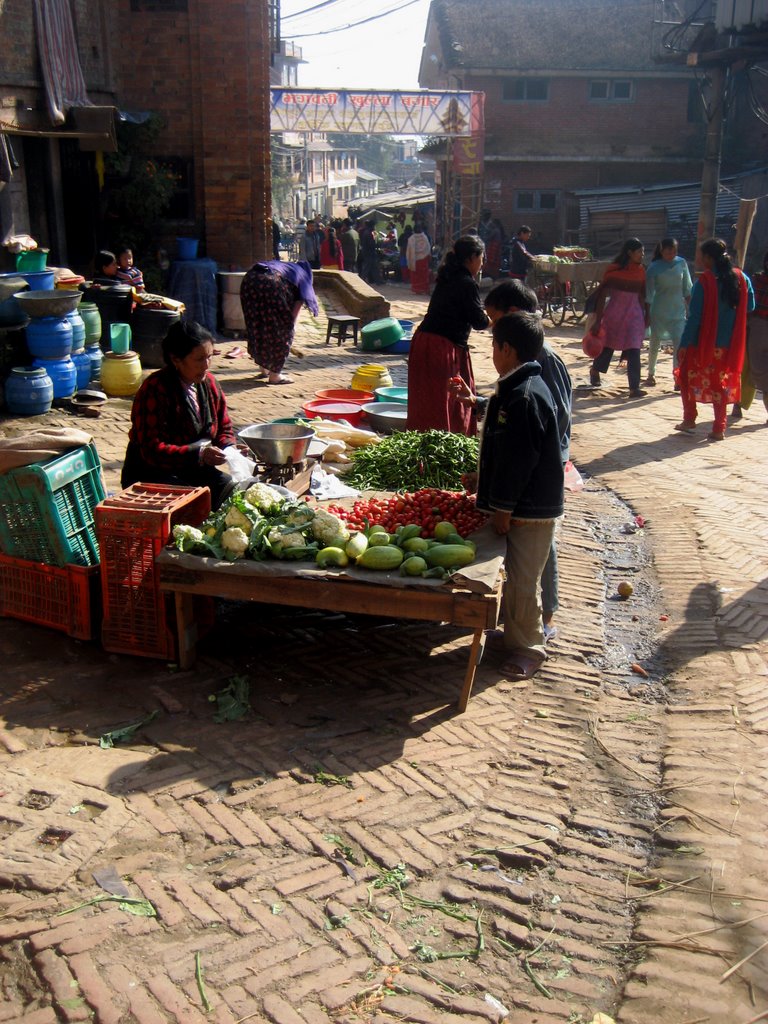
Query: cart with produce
column 564, row 281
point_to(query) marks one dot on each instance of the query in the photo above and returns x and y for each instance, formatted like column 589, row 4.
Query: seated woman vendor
column 105, row 268
column 180, row 426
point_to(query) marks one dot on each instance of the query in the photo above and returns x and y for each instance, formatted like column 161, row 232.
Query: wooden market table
column 458, row 607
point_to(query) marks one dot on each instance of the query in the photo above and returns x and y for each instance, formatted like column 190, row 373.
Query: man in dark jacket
column 520, row 482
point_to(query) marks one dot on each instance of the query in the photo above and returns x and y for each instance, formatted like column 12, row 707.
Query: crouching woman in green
column 180, row 426
column 520, row 482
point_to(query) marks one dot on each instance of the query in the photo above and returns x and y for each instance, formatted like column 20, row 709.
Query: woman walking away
column 754, row 376
column 417, row 255
column 439, row 349
column 272, row 293
column 714, row 339
column 622, row 314
column 331, row 254
column 667, row 292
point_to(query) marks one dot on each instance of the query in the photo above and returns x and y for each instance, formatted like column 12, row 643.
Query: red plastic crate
column 64, row 598
column 132, row 528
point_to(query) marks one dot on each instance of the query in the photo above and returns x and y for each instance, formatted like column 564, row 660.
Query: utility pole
column 710, row 175
column 306, row 175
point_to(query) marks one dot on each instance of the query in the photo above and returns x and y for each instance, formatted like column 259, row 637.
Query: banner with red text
column 422, row 112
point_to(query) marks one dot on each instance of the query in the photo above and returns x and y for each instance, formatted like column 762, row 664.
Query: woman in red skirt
column 439, row 349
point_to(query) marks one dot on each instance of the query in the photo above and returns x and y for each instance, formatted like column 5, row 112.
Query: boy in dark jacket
column 511, row 297
column 520, row 481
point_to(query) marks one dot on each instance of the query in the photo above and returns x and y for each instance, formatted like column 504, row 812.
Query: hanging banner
column 423, row 112
column 468, row 155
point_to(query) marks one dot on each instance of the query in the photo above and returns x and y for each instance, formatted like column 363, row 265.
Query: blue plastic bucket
column 78, row 330
column 82, row 362
column 186, row 248
column 28, row 391
column 49, row 337
column 62, row 373
column 96, row 357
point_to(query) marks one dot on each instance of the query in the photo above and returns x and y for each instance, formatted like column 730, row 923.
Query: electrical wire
column 308, row 10
column 354, row 24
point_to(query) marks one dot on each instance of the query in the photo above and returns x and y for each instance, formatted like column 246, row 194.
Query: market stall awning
column 402, row 199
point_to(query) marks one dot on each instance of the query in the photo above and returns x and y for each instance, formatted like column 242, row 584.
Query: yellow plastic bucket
column 371, row 376
column 120, row 374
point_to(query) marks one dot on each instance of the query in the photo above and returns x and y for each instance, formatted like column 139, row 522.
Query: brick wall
column 653, row 123
column 206, row 71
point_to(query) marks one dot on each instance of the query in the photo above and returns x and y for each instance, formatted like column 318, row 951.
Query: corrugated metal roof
column 681, row 200
column 740, row 14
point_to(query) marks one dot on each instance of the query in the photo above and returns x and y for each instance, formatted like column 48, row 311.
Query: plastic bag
column 593, row 344
column 238, row 467
column 573, row 478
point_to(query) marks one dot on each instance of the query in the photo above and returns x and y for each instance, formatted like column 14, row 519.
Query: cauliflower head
column 264, row 498
column 235, row 517
column 279, row 541
column 300, row 516
column 188, row 538
column 329, row 530
column 234, row 542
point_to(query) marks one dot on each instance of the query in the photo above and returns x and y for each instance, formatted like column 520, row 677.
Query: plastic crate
column 132, row 528
column 64, row 598
column 48, row 509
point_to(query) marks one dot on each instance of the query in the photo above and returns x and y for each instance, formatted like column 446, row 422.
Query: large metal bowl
column 386, row 417
column 48, row 302
column 277, row 444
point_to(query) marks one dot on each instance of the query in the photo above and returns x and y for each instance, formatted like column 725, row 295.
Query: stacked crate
column 132, row 528
column 49, row 566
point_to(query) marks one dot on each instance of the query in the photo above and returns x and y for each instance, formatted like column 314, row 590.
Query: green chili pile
column 413, row 459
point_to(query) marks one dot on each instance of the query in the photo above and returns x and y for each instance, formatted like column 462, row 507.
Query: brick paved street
column 590, row 840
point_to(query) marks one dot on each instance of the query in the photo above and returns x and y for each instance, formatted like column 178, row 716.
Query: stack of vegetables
column 259, row 524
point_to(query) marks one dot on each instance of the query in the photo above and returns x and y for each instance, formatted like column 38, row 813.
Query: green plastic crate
column 48, row 509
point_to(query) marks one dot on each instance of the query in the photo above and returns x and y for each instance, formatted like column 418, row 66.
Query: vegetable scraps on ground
column 413, row 459
column 259, row 525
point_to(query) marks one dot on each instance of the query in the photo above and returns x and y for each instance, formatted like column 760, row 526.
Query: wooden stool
column 338, row 325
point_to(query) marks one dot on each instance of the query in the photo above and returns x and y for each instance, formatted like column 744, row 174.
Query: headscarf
column 629, row 278
column 300, row 276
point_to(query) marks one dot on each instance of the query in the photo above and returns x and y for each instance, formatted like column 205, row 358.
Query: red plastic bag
column 593, row 344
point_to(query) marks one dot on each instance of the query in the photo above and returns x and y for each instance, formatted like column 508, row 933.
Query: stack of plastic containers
column 89, row 314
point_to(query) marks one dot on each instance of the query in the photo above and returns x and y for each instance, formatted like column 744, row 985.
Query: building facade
column 199, row 66
column 573, row 100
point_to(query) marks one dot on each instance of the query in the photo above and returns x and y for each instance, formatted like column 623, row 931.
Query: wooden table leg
column 478, row 642
column 186, row 629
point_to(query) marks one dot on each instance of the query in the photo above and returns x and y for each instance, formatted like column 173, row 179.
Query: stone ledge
column 358, row 298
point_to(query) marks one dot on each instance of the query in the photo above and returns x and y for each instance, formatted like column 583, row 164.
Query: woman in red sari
column 714, row 339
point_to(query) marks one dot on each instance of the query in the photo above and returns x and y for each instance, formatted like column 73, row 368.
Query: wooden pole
column 747, row 210
column 710, row 176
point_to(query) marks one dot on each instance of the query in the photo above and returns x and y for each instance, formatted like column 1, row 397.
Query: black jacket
column 455, row 307
column 521, row 467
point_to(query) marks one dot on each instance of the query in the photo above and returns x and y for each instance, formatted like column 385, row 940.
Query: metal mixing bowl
column 277, row 444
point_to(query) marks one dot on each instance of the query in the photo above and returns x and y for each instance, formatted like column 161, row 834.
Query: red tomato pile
column 426, row 507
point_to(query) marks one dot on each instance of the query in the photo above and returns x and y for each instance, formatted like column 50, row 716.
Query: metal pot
column 277, row 444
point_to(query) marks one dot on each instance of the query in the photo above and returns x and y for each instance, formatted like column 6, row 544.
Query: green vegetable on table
column 413, row 459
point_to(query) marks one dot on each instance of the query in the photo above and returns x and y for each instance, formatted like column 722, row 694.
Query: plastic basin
column 48, row 302
column 345, row 395
column 386, row 417
column 397, row 395
column 380, row 334
column 407, row 326
column 326, row 410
